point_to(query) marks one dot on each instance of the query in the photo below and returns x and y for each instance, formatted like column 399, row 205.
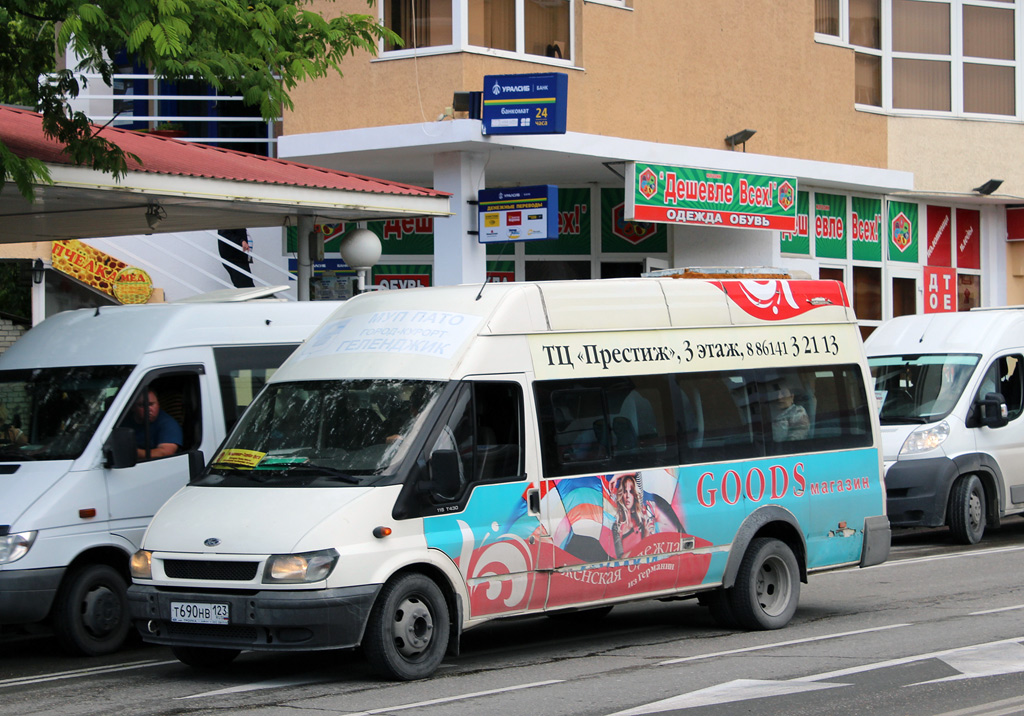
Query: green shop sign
column 685, row 195
column 866, row 229
column 902, row 223
column 799, row 241
column 573, row 227
column 621, row 236
column 829, row 226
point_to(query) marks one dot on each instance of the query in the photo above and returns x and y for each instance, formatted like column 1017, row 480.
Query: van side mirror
column 445, row 480
column 196, row 463
column 119, row 450
column 993, row 411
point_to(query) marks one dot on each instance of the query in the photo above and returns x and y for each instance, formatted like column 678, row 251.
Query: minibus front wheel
column 767, row 586
column 408, row 630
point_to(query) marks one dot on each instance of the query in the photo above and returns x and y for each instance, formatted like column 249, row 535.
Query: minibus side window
column 1004, row 377
column 484, row 425
column 721, row 416
column 177, row 399
column 606, row 424
column 837, row 406
column 242, row 372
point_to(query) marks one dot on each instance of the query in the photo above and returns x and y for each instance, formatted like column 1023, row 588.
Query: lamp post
column 360, row 249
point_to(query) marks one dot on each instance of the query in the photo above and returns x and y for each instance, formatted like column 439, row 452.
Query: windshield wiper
column 903, row 420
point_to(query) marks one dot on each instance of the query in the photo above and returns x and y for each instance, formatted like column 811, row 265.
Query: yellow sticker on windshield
column 248, row 458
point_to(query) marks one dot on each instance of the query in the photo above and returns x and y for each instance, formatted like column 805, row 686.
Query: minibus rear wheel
column 408, row 630
column 767, row 586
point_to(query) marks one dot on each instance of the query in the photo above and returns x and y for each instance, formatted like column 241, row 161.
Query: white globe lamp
column 360, row 249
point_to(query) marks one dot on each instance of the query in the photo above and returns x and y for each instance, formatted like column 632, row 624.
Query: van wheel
column 408, row 630
column 202, row 657
column 967, row 510
column 90, row 613
column 767, row 586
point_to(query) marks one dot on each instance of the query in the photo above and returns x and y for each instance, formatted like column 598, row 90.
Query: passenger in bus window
column 789, row 420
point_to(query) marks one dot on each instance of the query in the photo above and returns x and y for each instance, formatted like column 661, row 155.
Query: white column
column 305, row 261
column 458, row 256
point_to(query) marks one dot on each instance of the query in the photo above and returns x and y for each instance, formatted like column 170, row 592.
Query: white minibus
column 435, row 458
column 951, row 396
column 78, row 486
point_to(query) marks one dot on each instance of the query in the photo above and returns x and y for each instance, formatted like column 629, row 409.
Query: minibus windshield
column 919, row 388
column 51, row 413
column 322, row 433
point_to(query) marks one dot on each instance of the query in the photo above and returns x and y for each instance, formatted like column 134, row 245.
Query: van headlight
column 15, row 546
column 925, row 439
column 141, row 564
column 300, row 568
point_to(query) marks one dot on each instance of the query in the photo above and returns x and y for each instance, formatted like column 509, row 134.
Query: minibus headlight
column 15, row 546
column 142, row 564
column 925, row 439
column 300, row 568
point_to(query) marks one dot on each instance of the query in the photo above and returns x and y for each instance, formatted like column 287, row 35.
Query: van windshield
column 323, row 433
column 51, row 413
column 919, row 388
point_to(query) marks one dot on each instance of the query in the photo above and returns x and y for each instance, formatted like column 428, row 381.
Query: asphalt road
column 937, row 630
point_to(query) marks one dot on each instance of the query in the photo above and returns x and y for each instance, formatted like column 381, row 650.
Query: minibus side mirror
column 444, row 474
column 119, row 450
column 196, row 463
column 994, row 413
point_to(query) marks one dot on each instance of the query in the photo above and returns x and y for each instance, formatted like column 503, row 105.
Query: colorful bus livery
column 548, row 447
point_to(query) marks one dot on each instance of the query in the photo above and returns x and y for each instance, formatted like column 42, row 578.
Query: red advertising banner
column 1015, row 224
column 940, row 232
column 939, row 289
column 968, row 238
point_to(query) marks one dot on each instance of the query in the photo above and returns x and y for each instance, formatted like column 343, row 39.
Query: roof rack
column 712, row 272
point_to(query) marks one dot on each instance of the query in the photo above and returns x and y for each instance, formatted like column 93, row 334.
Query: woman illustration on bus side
column 634, row 520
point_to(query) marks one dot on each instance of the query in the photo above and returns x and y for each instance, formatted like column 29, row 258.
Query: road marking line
column 77, row 673
column 259, row 685
column 994, row 708
column 461, row 697
column 901, row 661
column 940, row 557
column 993, row 611
column 774, row 645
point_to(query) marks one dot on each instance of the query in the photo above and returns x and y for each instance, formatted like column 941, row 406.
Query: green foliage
column 15, row 293
column 260, row 49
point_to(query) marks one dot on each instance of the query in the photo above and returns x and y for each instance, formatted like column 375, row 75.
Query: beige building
column 891, row 115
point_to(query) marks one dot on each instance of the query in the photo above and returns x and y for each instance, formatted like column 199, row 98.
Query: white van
column 75, row 497
column 435, row 458
column 951, row 394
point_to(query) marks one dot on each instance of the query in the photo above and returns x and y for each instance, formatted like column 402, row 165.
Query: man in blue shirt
column 165, row 437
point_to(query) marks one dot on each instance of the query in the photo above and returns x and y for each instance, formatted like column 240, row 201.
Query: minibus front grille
column 210, row 569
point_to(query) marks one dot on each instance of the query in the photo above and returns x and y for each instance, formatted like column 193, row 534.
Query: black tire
column 719, row 607
column 90, row 613
column 581, row 616
column 967, row 510
column 767, row 587
column 202, row 657
column 408, row 630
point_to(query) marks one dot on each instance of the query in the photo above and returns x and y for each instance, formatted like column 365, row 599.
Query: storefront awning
column 194, row 186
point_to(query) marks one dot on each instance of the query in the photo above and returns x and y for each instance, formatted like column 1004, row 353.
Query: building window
column 940, row 56
column 541, row 28
column 420, row 23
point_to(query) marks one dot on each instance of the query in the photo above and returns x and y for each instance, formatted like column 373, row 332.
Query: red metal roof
column 21, row 130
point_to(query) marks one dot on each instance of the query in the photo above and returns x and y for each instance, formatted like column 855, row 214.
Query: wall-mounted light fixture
column 988, row 187
column 740, row 137
column 154, row 215
column 38, row 271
